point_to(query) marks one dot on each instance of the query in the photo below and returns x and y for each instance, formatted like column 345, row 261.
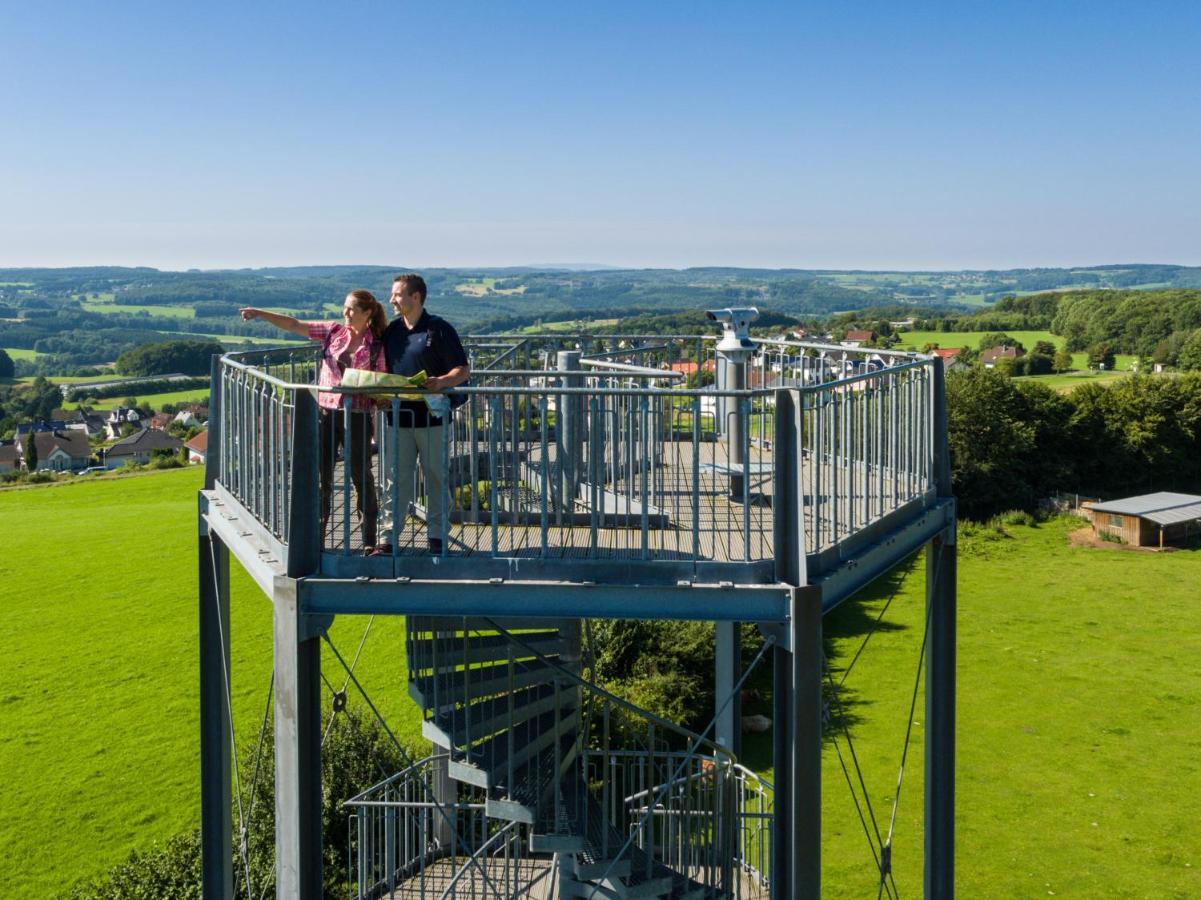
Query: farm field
column 16, row 353
column 98, row 714
column 155, row 401
column 915, row 340
column 167, row 312
column 1077, row 717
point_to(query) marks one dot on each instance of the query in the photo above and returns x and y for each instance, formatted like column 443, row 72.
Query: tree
column 1101, row 355
column 1062, row 361
column 1189, row 357
column 31, row 452
column 7, row 367
column 999, row 339
column 1045, row 348
column 186, row 357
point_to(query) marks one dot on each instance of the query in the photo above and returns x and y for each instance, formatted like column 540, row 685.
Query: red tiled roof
column 200, row 443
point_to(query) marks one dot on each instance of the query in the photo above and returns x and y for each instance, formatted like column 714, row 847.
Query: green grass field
column 1078, row 709
column 167, row 312
column 16, row 353
column 156, row 401
column 98, row 714
column 1079, row 700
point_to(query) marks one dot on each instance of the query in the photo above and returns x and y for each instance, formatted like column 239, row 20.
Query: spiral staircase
column 544, row 785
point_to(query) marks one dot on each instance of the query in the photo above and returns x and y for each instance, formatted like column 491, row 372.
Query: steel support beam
column 216, row 780
column 543, row 600
column 297, row 751
column 941, row 565
column 941, row 602
column 797, row 690
column 727, row 666
column 216, row 787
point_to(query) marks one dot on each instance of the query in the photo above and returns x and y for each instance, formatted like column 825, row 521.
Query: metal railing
column 605, row 457
column 402, row 838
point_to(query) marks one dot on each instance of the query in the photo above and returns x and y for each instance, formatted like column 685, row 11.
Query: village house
column 1148, row 520
column 949, row 356
column 58, row 451
column 187, row 418
column 90, row 424
column 198, row 448
column 858, row 338
column 119, row 416
column 41, row 426
column 990, row 357
column 140, row 448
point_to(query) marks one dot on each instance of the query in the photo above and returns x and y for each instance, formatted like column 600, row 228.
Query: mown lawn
column 1079, row 700
column 1079, row 722
column 98, row 681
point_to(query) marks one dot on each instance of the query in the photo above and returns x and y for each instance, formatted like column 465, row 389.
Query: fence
column 602, row 457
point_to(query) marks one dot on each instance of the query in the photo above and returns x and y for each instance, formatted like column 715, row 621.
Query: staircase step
column 479, row 721
column 487, row 764
column 451, row 653
column 450, row 689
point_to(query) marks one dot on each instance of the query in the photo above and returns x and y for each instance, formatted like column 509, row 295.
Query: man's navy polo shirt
column 431, row 346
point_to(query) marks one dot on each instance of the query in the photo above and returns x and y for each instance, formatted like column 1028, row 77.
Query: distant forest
column 80, row 317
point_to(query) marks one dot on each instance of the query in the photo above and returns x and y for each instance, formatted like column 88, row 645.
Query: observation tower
column 718, row 477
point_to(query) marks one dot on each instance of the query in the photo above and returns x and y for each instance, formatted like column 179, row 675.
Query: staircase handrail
column 361, row 797
column 481, row 852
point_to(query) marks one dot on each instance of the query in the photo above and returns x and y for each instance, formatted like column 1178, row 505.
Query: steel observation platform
column 720, row 478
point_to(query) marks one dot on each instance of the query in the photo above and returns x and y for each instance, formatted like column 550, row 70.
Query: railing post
column 304, row 521
column 941, row 570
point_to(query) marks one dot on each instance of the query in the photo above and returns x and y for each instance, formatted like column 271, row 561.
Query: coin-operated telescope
column 734, row 351
column 735, row 328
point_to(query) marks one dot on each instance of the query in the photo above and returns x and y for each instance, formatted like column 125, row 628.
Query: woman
column 354, row 344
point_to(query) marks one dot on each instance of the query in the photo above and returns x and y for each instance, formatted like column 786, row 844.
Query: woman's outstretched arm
column 287, row 323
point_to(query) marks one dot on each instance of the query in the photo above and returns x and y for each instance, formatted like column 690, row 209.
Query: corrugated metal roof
column 1175, row 515
column 1144, row 505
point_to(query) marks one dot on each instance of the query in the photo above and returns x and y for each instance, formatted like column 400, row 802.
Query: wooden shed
column 1148, row 520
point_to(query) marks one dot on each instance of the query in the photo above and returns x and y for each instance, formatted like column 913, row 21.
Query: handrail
column 624, row 368
column 480, row 851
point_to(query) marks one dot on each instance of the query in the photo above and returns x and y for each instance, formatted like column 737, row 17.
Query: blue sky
column 865, row 135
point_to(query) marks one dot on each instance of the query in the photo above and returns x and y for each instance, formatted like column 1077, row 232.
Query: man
column 416, row 341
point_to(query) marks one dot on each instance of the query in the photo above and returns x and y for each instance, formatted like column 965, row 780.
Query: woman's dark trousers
column 357, row 458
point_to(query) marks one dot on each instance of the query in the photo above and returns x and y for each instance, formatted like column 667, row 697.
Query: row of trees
column 1014, row 443
column 184, row 357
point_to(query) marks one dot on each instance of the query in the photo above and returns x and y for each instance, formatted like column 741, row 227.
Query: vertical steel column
column 216, row 780
column 216, row 785
column 797, row 724
column 569, row 415
column 298, row 679
column 297, row 750
column 727, row 665
column 941, row 600
column 446, row 792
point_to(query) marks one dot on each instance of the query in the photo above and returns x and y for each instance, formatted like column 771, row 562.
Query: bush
column 355, row 752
